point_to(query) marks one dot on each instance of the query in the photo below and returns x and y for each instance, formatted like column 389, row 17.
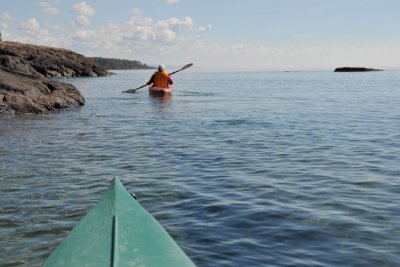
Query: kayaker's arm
column 170, row 81
column 151, row 81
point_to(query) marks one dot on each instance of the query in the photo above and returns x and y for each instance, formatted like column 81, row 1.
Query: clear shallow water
column 242, row 169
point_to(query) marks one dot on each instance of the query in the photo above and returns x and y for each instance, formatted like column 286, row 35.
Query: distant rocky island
column 354, row 69
column 120, row 64
column 25, row 72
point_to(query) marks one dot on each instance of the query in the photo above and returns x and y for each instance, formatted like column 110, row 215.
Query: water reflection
column 161, row 102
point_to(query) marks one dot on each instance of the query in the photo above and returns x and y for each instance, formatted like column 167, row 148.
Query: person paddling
column 160, row 78
column 160, row 81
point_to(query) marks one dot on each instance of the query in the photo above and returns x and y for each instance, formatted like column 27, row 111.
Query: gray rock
column 34, row 60
column 24, row 87
column 21, row 95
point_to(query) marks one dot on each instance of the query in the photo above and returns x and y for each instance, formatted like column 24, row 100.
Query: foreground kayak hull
column 158, row 91
column 118, row 232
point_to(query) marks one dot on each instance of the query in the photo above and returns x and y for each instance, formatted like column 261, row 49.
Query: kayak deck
column 118, row 232
column 158, row 91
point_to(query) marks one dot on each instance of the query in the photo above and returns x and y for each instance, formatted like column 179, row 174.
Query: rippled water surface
column 242, row 169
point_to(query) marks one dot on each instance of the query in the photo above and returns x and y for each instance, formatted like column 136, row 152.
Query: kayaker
column 160, row 78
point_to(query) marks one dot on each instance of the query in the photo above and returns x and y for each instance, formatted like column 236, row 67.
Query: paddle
column 181, row 69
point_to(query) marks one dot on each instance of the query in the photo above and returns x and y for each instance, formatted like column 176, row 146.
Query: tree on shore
column 120, row 64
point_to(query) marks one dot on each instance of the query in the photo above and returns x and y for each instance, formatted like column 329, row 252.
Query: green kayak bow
column 118, row 232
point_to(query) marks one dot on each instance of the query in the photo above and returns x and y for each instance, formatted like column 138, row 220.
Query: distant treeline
column 120, row 64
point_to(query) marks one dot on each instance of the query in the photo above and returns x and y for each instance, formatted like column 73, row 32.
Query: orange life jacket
column 160, row 79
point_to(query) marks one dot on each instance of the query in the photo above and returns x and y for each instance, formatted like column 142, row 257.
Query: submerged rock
column 354, row 69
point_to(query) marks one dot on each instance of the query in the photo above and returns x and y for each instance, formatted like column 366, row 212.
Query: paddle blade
column 184, row 67
column 130, row 91
column 134, row 90
column 187, row 66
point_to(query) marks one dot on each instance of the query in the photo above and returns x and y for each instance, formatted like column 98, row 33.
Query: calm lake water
column 242, row 169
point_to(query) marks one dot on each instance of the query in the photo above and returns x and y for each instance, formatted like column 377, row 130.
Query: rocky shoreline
column 25, row 84
column 354, row 69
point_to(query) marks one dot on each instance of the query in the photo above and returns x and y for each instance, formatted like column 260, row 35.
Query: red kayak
column 158, row 91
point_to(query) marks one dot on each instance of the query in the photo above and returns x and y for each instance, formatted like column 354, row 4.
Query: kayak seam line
column 114, row 241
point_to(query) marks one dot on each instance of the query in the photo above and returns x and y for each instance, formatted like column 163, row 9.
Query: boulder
column 27, row 95
column 22, row 95
column 25, row 84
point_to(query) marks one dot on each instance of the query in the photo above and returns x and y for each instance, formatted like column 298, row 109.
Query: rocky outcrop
column 25, row 86
column 354, row 69
column 41, row 61
column 22, row 95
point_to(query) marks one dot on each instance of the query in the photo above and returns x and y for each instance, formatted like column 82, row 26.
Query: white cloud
column 31, row 25
column 44, row 34
column 6, row 17
column 5, row 23
column 136, row 12
column 185, row 22
column 167, row 35
column 84, row 9
column 3, row 26
column 172, row 1
column 139, row 28
column 84, row 35
column 138, row 34
column 174, row 40
column 205, row 28
column 167, row 30
column 82, row 20
column 48, row 9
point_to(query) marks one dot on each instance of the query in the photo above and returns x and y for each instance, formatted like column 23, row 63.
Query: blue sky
column 215, row 34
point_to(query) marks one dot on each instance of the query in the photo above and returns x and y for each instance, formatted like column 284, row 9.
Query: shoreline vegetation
column 120, row 64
